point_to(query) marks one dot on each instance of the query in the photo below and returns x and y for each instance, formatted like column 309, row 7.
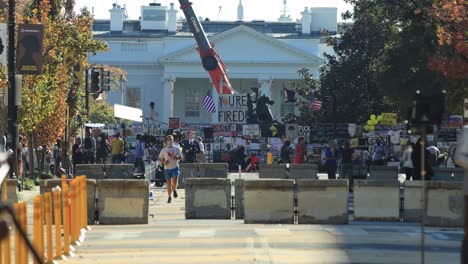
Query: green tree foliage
column 101, row 112
column 393, row 48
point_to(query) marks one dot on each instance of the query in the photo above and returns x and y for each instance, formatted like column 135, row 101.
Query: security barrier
column 11, row 187
column 303, row 171
column 383, row 173
column 123, row 202
column 272, row 171
column 74, row 212
column 213, row 170
column 269, row 201
column 187, row 171
column 377, row 200
column 208, row 198
column 442, row 174
column 105, row 171
column 322, row 202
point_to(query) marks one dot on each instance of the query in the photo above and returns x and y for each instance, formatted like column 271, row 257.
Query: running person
column 170, row 157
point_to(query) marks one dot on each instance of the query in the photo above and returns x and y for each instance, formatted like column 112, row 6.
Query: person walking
column 170, row 157
column 379, row 153
column 89, row 148
column 102, row 151
column 285, row 152
column 201, row 152
column 117, row 149
column 77, row 153
column 407, row 162
column 190, row 149
column 347, row 157
column 139, row 154
column 301, row 151
column 331, row 159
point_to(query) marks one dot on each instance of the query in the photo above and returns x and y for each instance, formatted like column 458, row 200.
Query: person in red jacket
column 301, row 149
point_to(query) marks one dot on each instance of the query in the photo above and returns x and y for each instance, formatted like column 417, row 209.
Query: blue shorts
column 171, row 173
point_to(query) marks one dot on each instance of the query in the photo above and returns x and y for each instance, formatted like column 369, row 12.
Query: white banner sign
column 232, row 108
column 129, row 113
column 251, row 130
column 3, row 43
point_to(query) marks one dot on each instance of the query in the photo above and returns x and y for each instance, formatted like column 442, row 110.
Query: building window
column 286, row 108
column 133, row 47
column 192, row 102
column 134, row 97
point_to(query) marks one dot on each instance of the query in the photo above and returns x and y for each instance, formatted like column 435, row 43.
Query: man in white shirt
column 170, row 157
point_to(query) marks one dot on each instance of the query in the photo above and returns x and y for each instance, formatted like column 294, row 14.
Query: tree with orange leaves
column 450, row 18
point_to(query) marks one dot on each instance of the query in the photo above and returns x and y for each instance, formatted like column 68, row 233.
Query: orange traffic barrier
column 58, row 225
column 74, row 208
column 66, row 223
column 38, row 239
column 48, row 216
column 24, row 226
column 16, row 207
column 64, row 180
column 6, row 247
column 85, row 203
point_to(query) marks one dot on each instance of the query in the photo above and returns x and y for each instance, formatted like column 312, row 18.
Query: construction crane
column 211, row 61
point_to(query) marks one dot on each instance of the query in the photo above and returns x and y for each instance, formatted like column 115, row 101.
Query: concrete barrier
column 123, row 202
column 322, row 202
column 213, row 170
column 269, row 201
column 48, row 185
column 92, row 171
column 383, row 173
column 12, row 187
column 208, row 198
column 444, row 204
column 239, row 194
column 412, row 201
column 377, row 200
column 303, row 171
column 272, row 171
column 458, row 174
column 442, row 174
column 187, row 171
column 119, row 171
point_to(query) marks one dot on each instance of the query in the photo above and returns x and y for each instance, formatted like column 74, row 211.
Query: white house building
column 159, row 54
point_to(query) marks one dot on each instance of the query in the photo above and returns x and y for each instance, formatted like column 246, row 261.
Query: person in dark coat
column 416, row 159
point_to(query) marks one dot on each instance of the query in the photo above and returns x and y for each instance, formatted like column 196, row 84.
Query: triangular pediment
column 245, row 45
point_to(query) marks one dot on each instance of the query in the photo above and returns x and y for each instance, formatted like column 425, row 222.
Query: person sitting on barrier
column 170, row 157
column 253, row 163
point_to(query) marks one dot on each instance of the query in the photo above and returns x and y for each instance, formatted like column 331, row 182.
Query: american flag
column 314, row 105
column 208, row 103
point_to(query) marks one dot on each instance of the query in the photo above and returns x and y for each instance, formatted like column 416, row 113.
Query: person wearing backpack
column 89, row 148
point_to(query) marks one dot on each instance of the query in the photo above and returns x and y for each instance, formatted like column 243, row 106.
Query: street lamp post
column 12, row 108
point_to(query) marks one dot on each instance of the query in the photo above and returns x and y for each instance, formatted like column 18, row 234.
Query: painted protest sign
column 232, row 108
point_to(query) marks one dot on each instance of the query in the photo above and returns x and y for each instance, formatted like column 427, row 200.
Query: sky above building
column 269, row 10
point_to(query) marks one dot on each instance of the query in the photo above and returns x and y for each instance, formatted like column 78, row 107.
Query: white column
column 265, row 86
column 168, row 98
column 214, row 94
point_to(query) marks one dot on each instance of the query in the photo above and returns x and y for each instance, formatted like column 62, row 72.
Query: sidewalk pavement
column 169, row 238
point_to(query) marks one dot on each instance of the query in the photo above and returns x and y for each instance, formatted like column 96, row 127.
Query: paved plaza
column 169, row 238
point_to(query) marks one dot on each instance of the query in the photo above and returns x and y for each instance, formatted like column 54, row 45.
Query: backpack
column 88, row 143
